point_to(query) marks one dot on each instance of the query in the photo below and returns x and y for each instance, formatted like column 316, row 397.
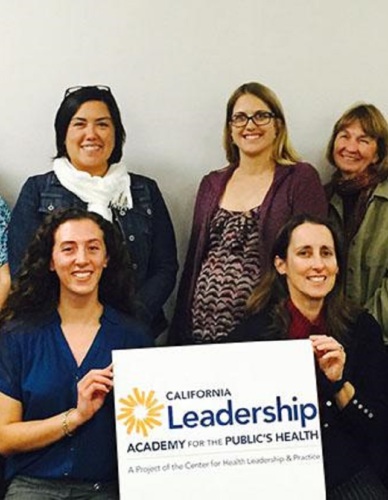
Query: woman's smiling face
column 354, row 150
column 253, row 140
column 90, row 138
column 79, row 257
column 311, row 264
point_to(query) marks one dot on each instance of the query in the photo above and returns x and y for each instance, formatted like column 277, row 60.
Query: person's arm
column 377, row 305
column 192, row 262
column 163, row 262
column 25, row 220
column 344, row 395
column 331, row 358
column 18, row 436
column 308, row 194
column 363, row 393
column 5, row 279
column 5, row 283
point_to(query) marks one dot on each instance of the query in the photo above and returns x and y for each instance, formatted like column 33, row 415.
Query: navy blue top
column 38, row 369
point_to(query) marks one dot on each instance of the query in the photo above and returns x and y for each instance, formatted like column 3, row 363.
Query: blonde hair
column 283, row 152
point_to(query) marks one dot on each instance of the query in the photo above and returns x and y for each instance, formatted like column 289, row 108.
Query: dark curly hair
column 35, row 291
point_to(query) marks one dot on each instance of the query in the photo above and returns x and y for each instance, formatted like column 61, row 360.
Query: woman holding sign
column 66, row 312
column 300, row 298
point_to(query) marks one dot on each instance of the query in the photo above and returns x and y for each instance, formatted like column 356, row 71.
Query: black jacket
column 356, row 436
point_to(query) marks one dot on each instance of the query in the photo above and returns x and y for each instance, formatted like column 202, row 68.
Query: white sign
column 218, row 421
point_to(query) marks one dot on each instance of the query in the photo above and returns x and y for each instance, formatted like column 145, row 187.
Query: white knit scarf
column 100, row 193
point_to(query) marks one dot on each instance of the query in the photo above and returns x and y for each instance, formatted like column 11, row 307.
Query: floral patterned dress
column 228, row 274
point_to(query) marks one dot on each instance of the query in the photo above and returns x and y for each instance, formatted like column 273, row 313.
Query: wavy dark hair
column 71, row 104
column 35, row 291
column 272, row 292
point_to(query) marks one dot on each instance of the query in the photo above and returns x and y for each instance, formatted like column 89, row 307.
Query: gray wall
column 172, row 64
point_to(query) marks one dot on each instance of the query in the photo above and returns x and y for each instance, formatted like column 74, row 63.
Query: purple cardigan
column 295, row 189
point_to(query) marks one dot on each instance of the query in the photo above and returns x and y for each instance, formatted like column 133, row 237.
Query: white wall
column 172, row 65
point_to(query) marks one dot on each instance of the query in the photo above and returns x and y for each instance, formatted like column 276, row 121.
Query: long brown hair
column 272, row 292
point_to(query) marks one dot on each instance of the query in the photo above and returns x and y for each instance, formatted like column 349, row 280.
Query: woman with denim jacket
column 87, row 173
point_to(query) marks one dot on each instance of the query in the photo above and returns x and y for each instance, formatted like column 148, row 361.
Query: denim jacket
column 146, row 229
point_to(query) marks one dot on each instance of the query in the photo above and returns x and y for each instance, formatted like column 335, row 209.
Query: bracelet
column 337, row 385
column 65, row 426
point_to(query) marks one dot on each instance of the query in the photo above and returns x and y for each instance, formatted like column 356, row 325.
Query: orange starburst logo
column 140, row 412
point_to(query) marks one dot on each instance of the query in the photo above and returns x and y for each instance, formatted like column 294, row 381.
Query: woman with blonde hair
column 238, row 211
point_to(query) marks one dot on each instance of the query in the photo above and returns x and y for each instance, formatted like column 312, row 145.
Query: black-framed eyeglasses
column 259, row 118
column 71, row 90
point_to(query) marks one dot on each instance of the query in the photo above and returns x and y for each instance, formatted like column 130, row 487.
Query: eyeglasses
column 71, row 90
column 240, row 120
